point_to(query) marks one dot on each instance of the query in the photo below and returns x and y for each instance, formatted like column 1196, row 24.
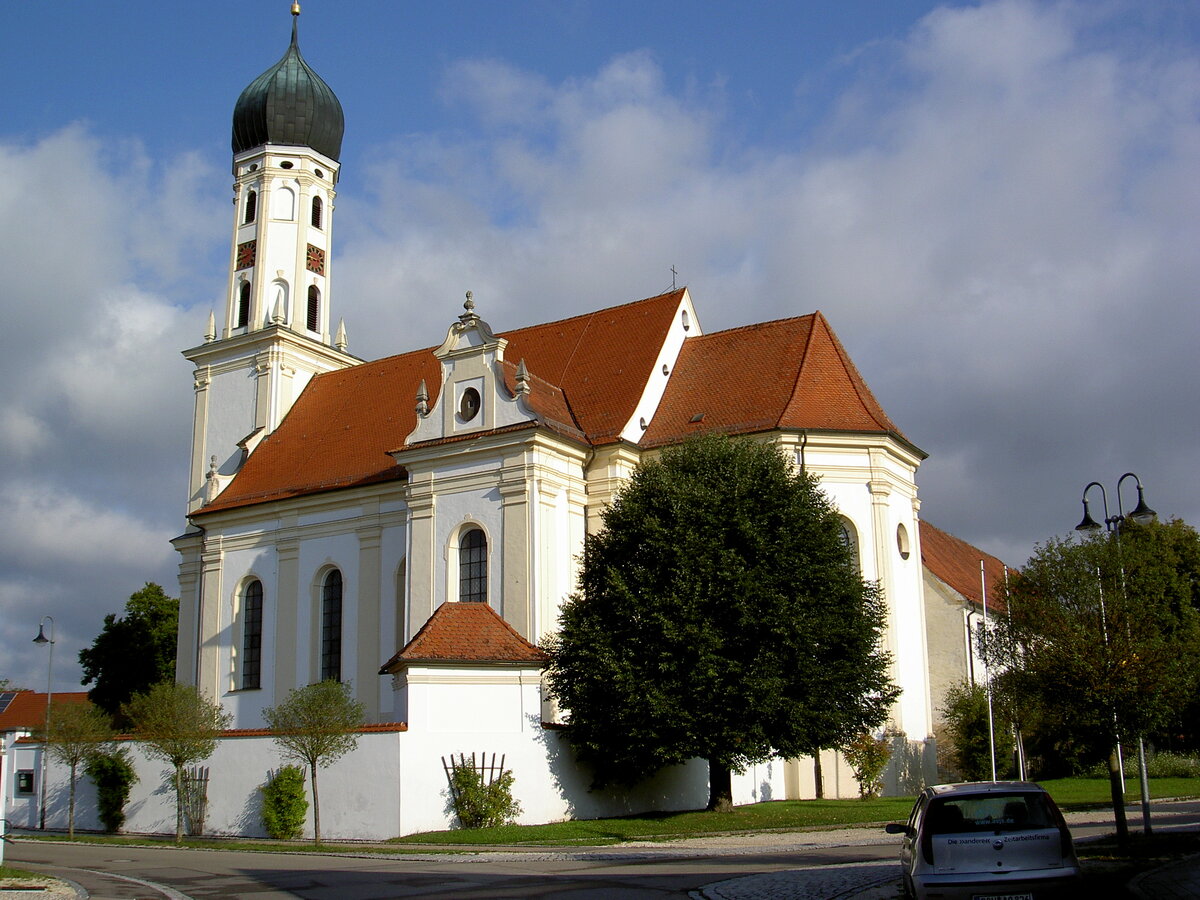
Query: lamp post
column 42, row 639
column 1142, row 515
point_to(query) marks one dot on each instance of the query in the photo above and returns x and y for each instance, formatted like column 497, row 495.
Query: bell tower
column 275, row 332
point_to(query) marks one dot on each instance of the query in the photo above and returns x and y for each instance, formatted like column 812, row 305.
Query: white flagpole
column 987, row 672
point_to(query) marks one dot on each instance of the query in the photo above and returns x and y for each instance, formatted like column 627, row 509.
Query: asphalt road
column 657, row 871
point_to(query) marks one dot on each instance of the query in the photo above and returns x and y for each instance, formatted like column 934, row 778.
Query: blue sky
column 995, row 205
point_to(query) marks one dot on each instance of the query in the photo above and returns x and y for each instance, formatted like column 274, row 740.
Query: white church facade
column 411, row 525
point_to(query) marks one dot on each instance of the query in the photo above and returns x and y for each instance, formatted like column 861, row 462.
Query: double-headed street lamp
column 1142, row 515
column 42, row 639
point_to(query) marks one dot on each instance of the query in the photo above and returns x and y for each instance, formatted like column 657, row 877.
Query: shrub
column 1163, row 764
column 481, row 803
column 868, row 756
column 284, row 803
column 113, row 776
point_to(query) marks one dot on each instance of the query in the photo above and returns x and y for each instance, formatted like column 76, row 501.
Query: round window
column 468, row 406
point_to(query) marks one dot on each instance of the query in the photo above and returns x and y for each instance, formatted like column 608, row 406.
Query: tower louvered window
column 472, row 567
column 317, row 209
column 314, row 308
column 252, row 624
column 331, row 627
column 251, row 207
column 243, row 310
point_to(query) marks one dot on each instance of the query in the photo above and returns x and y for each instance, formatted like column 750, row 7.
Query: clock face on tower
column 315, row 260
column 245, row 255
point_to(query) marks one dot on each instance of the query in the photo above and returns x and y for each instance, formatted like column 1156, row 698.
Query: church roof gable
column 465, row 633
column 790, row 373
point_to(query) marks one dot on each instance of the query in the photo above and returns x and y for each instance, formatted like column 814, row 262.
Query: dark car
column 995, row 840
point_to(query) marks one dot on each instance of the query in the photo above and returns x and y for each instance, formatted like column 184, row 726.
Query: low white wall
column 392, row 784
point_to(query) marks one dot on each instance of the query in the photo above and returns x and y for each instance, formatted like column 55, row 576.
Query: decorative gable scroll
column 474, row 396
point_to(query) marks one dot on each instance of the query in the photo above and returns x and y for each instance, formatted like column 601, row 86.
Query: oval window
column 902, row 541
column 468, row 406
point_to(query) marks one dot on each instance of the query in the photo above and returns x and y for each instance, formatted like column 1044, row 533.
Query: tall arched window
column 252, row 623
column 317, row 208
column 251, row 207
column 243, row 310
column 472, row 567
column 850, row 540
column 314, row 308
column 331, row 627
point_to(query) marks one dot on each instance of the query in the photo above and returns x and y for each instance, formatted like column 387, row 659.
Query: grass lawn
column 1087, row 793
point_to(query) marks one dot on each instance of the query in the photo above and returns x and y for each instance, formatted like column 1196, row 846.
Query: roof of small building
column 956, row 563
column 26, row 709
column 586, row 377
column 466, row 633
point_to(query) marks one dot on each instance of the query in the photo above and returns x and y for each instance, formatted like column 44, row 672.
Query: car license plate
column 1002, row 897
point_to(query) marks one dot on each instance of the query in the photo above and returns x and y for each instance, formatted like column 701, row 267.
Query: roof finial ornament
column 422, row 399
column 296, row 8
column 523, row 386
column 468, row 318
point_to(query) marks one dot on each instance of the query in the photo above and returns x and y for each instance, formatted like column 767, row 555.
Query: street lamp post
column 42, row 639
column 1142, row 515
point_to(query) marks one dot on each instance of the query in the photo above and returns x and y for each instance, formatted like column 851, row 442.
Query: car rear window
column 989, row 812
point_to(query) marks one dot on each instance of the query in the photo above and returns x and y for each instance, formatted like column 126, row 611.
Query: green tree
column 965, row 711
column 77, row 731
column 178, row 725
column 720, row 615
column 1102, row 637
column 316, row 725
column 132, row 652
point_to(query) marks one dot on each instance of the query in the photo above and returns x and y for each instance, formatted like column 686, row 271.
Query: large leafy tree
column 133, row 652
column 316, row 725
column 179, row 725
column 719, row 616
column 1102, row 637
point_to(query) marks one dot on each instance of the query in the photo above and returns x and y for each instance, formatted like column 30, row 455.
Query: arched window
column 314, row 308
column 472, row 567
column 251, row 207
column 850, row 540
column 331, row 627
column 243, row 310
column 252, row 623
column 317, row 209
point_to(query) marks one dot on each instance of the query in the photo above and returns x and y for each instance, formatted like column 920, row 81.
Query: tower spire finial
column 296, row 8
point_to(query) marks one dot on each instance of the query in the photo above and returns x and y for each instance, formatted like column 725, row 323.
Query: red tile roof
column 28, row 709
column 791, row 373
column 465, row 633
column 587, row 375
column 956, row 563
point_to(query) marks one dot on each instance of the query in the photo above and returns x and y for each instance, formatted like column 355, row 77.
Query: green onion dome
column 289, row 104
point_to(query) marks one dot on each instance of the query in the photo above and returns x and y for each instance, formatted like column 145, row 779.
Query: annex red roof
column 790, row 373
column 465, row 633
column 956, row 563
column 27, row 709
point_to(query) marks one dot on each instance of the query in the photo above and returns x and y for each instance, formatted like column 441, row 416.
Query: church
column 411, row 525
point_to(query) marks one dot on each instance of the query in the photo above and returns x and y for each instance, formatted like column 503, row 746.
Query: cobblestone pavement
column 1174, row 882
